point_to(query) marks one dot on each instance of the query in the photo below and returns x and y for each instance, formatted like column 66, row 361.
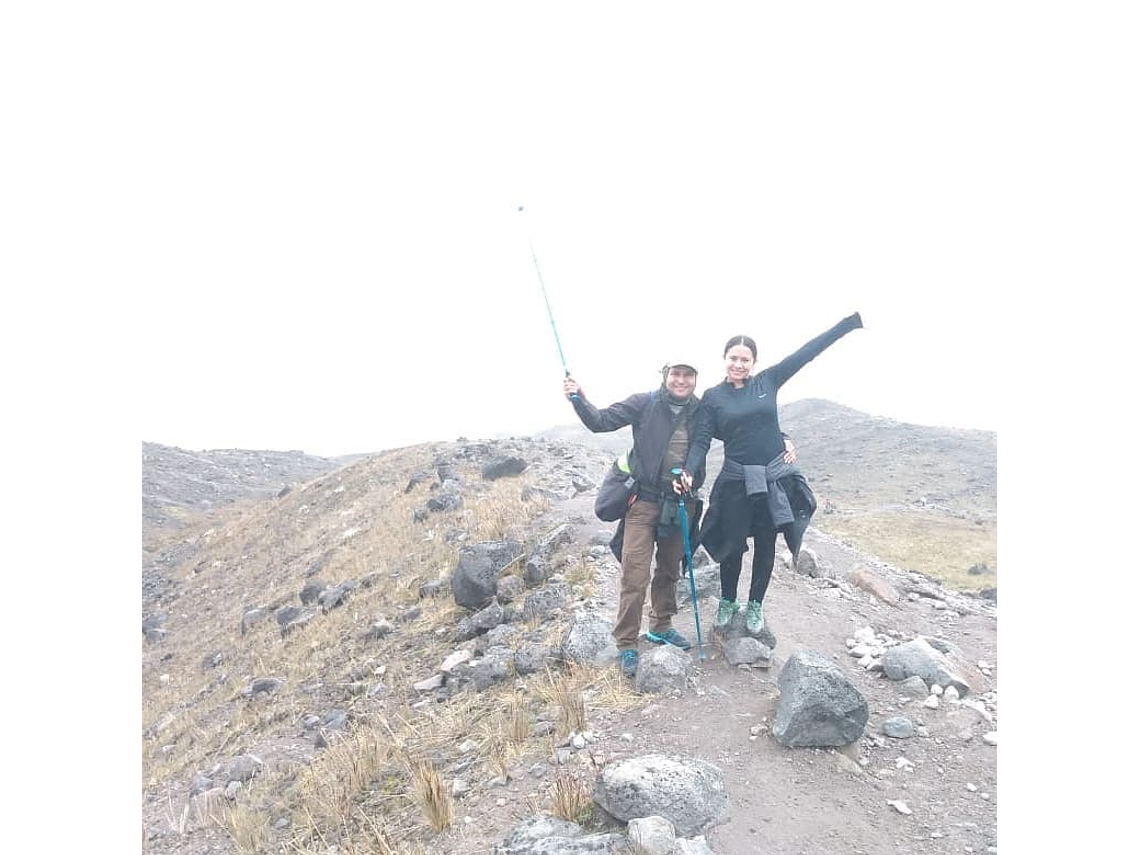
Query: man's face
column 680, row 381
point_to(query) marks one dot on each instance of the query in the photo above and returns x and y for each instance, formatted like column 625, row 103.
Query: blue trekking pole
column 689, row 567
column 549, row 313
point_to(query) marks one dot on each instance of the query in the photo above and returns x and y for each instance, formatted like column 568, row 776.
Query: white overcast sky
column 342, row 266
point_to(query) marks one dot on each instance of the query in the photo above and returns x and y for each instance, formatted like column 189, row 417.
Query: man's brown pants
column 636, row 557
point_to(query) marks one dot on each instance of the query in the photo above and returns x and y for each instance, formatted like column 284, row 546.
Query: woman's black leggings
column 763, row 559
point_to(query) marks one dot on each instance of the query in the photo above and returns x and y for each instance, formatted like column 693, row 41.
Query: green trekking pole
column 549, row 313
column 689, row 567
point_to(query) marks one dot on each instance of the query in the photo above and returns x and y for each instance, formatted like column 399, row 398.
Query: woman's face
column 738, row 364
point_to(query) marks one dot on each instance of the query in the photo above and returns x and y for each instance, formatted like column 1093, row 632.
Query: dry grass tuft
column 248, row 828
column 501, row 513
column 379, row 839
column 504, row 727
column 565, row 691
column 430, row 794
column 571, row 798
column 501, row 756
column 520, row 725
column 609, row 690
column 583, row 574
column 330, row 789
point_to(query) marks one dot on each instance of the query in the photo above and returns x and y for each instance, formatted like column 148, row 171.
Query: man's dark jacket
column 652, row 422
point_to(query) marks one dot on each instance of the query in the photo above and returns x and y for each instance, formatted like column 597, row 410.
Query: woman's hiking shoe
column 629, row 663
column 671, row 637
column 754, row 620
column 724, row 613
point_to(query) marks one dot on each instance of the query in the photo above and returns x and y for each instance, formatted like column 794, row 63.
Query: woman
column 758, row 493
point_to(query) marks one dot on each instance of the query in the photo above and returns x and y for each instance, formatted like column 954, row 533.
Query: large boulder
column 819, row 707
column 689, row 793
column 477, row 572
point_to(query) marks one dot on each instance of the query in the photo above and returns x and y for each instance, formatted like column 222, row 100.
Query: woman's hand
column 789, row 451
column 570, row 387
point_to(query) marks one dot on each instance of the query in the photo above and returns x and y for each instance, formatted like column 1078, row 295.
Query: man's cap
column 680, row 363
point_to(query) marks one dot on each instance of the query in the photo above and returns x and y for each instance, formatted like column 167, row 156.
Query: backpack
column 617, row 492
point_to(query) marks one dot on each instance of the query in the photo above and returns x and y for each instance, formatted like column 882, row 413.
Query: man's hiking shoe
column 629, row 663
column 670, row 637
column 724, row 613
column 754, row 621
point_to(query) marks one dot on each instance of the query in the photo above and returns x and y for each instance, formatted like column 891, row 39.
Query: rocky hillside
column 859, row 459
column 180, row 485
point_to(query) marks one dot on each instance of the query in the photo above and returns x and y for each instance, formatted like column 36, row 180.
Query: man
column 662, row 423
